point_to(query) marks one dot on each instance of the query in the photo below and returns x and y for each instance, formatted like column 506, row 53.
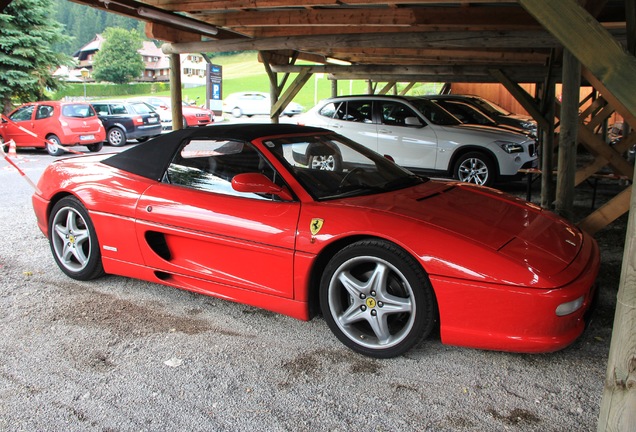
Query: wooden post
column 618, row 406
column 273, row 85
column 547, row 143
column 175, row 91
column 566, row 168
column 273, row 93
column 334, row 88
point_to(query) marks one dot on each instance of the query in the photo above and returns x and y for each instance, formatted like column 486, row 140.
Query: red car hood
column 515, row 228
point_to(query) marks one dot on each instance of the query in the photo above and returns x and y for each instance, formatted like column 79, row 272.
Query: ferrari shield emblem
column 316, row 225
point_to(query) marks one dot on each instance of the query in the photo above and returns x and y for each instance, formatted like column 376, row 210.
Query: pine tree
column 27, row 61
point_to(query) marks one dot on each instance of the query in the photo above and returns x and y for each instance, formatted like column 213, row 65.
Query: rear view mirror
column 259, row 184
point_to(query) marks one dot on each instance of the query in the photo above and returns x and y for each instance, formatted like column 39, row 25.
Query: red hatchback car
column 50, row 124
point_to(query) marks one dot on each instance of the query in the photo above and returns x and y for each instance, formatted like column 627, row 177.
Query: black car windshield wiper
column 404, row 182
column 355, row 191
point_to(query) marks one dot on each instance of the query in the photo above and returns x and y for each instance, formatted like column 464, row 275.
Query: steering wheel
column 346, row 177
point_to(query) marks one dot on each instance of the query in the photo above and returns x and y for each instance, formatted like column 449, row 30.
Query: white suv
column 423, row 137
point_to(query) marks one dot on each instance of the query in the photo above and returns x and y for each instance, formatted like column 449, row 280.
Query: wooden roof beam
column 502, row 39
column 434, row 18
column 227, row 5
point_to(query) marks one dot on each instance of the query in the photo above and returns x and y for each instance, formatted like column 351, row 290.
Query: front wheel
column 236, row 112
column 376, row 299
column 73, row 240
column 475, row 167
column 53, row 145
column 326, row 162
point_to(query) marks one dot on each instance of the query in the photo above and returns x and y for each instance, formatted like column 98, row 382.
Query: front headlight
column 510, row 147
column 569, row 307
column 530, row 125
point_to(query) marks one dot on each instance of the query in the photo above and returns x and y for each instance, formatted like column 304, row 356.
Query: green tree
column 27, row 62
column 118, row 60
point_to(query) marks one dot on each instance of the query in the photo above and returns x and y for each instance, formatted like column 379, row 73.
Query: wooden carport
column 543, row 42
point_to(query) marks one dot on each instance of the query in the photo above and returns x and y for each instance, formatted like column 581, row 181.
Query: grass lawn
column 243, row 72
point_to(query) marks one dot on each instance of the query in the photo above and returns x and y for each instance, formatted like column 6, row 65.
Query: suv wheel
column 475, row 167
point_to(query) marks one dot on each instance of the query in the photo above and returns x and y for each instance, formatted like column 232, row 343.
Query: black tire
column 116, row 137
column 94, row 148
column 73, row 240
column 387, row 305
column 326, row 163
column 236, row 112
column 475, row 167
column 54, row 148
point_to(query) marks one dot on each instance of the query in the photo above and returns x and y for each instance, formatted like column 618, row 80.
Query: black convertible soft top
column 151, row 159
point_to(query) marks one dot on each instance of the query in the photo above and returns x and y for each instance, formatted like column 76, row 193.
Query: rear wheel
column 53, row 146
column 475, row 167
column 73, row 240
column 236, row 112
column 377, row 299
column 94, row 148
column 116, row 137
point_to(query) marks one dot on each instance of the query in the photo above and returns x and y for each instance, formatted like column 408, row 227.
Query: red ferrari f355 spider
column 302, row 221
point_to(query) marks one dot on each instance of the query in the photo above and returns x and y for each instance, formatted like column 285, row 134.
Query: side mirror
column 412, row 121
column 258, row 183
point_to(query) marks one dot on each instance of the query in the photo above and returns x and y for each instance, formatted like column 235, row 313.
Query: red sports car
column 192, row 115
column 301, row 220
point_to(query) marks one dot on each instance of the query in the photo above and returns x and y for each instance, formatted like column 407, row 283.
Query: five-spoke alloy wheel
column 73, row 240
column 377, row 299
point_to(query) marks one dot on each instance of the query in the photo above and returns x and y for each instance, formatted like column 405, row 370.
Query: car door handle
column 336, row 126
column 385, row 131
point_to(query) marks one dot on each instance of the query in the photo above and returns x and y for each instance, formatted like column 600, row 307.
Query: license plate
column 152, row 120
column 87, row 137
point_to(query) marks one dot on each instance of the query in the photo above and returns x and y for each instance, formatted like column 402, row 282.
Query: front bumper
column 517, row 319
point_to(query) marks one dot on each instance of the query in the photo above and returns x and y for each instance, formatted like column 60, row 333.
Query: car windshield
column 142, row 108
column 434, row 113
column 491, row 107
column 330, row 166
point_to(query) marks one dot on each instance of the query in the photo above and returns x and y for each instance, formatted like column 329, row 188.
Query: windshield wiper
column 403, row 182
column 356, row 191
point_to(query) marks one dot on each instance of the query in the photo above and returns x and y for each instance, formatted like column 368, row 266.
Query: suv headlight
column 530, row 125
column 510, row 147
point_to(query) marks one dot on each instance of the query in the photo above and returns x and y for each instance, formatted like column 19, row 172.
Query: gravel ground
column 120, row 355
